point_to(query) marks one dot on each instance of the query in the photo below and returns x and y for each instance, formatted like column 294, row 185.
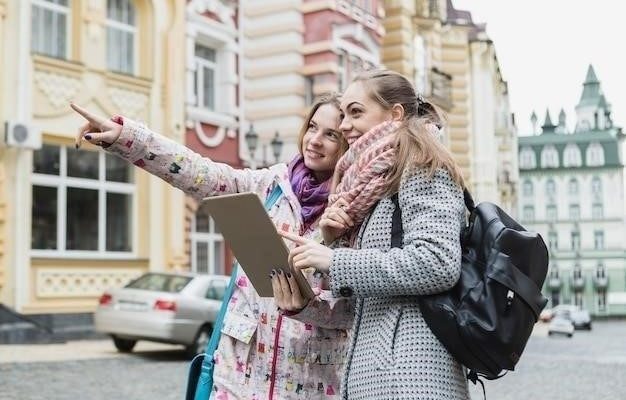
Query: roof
column 608, row 138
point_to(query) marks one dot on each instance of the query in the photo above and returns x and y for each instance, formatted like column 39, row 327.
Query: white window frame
column 595, row 155
column 572, row 156
column 62, row 182
column 527, row 158
column 574, row 212
column 201, row 63
column 552, row 212
column 549, row 157
column 598, row 240
column 551, row 188
column 528, row 188
column 126, row 28
column 342, row 70
column 597, row 211
column 59, row 9
column 210, row 238
column 529, row 213
column 573, row 188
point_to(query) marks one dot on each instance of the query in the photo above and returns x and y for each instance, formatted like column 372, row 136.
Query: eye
column 312, row 127
column 334, row 135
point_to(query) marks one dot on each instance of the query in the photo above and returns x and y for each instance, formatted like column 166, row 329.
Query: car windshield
column 160, row 283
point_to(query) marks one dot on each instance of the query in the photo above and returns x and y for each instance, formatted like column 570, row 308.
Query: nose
column 316, row 139
column 345, row 125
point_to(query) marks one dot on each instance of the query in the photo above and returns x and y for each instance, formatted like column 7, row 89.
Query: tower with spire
column 572, row 191
column 592, row 112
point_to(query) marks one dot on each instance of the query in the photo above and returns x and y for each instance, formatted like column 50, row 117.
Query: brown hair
column 417, row 146
column 330, row 99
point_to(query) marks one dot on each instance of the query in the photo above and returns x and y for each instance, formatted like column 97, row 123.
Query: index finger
column 293, row 237
column 87, row 115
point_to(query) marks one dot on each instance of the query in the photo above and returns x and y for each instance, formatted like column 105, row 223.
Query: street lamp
column 277, row 146
column 252, row 141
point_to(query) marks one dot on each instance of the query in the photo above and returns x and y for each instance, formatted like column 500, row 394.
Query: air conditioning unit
column 17, row 134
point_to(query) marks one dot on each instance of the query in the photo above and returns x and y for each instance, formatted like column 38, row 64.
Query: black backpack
column 485, row 320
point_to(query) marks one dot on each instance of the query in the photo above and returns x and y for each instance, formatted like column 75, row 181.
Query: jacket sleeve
column 326, row 311
column 179, row 166
column 430, row 259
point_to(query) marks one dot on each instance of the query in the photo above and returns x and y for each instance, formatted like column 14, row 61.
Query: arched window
column 573, row 187
column 596, row 188
column 121, row 34
column 571, row 156
column 549, row 157
column 595, row 155
column 527, row 159
column 550, row 188
column 527, row 188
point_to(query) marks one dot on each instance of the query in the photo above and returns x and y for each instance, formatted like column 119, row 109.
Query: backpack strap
column 468, row 200
column 200, row 382
column 396, row 223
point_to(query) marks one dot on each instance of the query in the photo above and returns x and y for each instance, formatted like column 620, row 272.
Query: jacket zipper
column 275, row 355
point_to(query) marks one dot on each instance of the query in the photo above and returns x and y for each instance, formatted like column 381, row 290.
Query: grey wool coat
column 393, row 354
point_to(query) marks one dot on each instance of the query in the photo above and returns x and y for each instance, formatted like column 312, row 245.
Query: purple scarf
column 311, row 194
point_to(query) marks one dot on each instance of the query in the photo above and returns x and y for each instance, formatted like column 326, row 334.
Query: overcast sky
column 545, row 46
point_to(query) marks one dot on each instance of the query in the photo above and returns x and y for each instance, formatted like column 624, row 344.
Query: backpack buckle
column 509, row 299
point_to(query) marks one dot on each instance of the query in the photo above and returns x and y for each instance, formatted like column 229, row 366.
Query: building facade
column 453, row 64
column 75, row 222
column 572, row 192
column 295, row 50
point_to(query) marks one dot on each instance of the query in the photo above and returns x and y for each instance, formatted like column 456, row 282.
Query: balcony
column 554, row 283
column 601, row 282
column 578, row 283
column 440, row 88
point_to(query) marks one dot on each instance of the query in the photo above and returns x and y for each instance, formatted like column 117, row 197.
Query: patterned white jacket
column 261, row 354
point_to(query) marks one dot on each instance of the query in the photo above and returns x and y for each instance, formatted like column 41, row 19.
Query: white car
column 579, row 316
column 177, row 308
column 560, row 326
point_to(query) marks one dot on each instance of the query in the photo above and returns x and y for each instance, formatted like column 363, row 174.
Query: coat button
column 345, row 291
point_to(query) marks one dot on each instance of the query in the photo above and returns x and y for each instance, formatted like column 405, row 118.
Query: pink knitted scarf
column 361, row 174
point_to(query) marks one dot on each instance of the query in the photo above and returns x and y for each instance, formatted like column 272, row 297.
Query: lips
column 314, row 154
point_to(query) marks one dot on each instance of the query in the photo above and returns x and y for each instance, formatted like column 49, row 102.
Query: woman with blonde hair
column 260, row 355
column 396, row 159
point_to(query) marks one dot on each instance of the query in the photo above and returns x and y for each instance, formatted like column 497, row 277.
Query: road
column 591, row 365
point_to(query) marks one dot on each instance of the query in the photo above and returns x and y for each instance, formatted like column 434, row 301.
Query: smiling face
column 321, row 143
column 360, row 112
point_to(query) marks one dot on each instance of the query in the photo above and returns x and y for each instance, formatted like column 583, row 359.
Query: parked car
column 579, row 316
column 560, row 325
column 177, row 308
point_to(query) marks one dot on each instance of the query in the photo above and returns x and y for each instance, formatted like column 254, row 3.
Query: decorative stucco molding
column 69, row 282
column 58, row 89
column 129, row 103
column 223, row 12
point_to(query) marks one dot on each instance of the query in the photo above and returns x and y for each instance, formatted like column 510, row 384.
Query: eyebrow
column 351, row 104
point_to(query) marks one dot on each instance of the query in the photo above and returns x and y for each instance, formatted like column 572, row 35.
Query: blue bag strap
column 207, row 361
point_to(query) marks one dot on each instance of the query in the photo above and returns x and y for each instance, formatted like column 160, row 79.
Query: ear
column 397, row 112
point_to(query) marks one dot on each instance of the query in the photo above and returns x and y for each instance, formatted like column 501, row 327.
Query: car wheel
column 199, row 344
column 550, row 333
column 569, row 335
column 124, row 345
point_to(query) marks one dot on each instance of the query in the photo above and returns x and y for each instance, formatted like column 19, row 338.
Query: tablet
column 251, row 234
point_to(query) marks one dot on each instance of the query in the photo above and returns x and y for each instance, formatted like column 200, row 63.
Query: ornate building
column 572, row 192
column 453, row 63
column 75, row 222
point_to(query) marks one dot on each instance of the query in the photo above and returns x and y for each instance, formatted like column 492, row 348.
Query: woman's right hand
column 335, row 221
column 98, row 130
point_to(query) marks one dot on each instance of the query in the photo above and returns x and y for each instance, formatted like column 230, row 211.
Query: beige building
column 75, row 222
column 453, row 64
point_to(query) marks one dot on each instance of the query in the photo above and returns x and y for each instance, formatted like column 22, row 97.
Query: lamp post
column 252, row 141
